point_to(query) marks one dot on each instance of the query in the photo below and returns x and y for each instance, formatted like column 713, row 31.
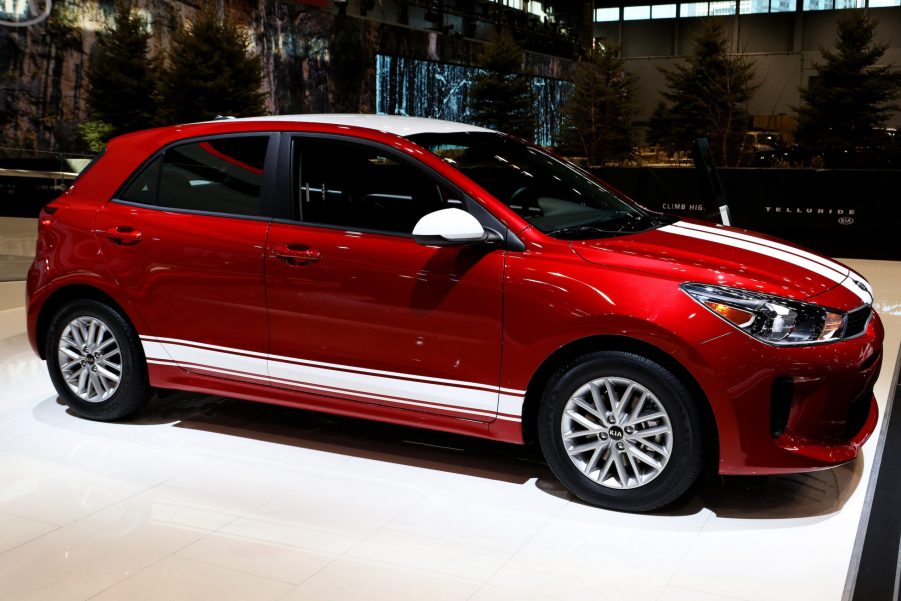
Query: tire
column 89, row 344
column 658, row 468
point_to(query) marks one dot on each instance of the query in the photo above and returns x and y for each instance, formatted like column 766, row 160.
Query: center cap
column 90, row 359
column 616, row 433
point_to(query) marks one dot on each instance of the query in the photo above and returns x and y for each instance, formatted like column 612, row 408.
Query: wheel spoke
column 643, row 457
column 611, row 396
column 582, row 420
column 634, row 466
column 108, row 374
column 573, row 434
column 75, row 332
column 646, row 418
column 623, row 401
column 92, row 331
column 654, row 447
column 650, row 432
column 75, row 375
column 82, row 332
column 70, row 364
column 99, row 385
column 82, row 383
column 593, row 461
column 620, row 469
column 70, row 353
column 606, row 469
column 594, row 444
column 591, row 410
column 598, row 399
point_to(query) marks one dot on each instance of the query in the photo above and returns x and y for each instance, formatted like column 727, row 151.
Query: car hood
column 693, row 251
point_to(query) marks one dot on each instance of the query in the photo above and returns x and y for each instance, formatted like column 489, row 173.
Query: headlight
column 772, row 319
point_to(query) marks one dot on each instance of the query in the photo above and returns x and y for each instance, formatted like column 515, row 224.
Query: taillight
column 46, row 218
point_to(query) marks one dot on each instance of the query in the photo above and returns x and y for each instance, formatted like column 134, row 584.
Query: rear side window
column 219, row 175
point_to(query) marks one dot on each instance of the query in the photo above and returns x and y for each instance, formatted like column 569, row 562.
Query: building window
column 603, row 15
column 722, row 8
column 635, row 13
column 884, row 3
column 693, row 9
column 663, row 11
column 753, row 7
column 817, row 4
column 782, row 6
column 850, row 4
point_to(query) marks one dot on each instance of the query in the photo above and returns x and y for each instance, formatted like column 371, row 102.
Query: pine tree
column 850, row 97
column 121, row 78
column 598, row 112
column 708, row 93
column 501, row 96
column 210, row 73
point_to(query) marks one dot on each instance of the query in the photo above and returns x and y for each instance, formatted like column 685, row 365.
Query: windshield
column 553, row 196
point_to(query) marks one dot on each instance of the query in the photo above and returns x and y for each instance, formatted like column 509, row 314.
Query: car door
column 357, row 309
column 184, row 239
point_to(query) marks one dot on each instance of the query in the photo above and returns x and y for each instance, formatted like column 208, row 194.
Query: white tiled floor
column 205, row 497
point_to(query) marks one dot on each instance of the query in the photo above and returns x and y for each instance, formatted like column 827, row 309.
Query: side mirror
column 450, row 227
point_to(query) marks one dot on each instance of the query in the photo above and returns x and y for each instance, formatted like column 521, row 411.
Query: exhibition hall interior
column 451, row 300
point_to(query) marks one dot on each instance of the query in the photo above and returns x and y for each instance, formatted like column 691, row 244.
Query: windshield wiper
column 583, row 229
column 627, row 225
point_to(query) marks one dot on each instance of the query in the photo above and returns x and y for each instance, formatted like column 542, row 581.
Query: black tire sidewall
column 685, row 461
column 133, row 390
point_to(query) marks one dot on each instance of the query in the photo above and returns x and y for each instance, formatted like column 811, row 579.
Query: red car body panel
column 447, row 338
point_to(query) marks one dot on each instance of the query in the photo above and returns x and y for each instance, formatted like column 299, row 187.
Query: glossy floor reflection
column 205, row 497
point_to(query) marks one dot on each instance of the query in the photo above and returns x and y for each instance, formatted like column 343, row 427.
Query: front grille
column 857, row 321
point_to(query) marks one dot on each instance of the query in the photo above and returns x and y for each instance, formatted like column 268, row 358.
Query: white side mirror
column 449, row 227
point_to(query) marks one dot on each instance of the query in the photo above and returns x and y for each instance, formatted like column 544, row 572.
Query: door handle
column 295, row 256
column 124, row 235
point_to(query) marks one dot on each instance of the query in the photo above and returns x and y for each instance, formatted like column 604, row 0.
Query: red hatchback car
column 441, row 275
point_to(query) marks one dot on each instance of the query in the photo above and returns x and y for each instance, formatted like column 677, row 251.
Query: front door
column 358, row 310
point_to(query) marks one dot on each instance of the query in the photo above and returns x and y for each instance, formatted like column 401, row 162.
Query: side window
column 222, row 175
column 143, row 187
column 356, row 186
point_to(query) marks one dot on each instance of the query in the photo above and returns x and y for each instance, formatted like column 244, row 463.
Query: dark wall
column 841, row 213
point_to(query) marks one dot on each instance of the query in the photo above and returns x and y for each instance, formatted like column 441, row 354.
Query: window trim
column 283, row 213
column 268, row 187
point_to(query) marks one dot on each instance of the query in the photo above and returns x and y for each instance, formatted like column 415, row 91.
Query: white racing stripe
column 406, row 389
column 773, row 250
column 763, row 242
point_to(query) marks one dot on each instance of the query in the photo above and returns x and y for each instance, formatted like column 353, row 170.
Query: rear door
column 184, row 239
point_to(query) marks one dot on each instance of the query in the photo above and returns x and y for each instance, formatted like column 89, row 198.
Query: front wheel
column 620, row 431
column 96, row 361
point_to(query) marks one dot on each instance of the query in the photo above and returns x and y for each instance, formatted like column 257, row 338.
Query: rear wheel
column 96, row 361
column 620, row 431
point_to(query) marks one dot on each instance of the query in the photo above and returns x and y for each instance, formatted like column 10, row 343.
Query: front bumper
column 792, row 409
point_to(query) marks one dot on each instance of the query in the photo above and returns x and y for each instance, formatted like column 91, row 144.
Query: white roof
column 392, row 124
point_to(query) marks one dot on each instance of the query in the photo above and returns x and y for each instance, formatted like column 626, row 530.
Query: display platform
column 205, row 497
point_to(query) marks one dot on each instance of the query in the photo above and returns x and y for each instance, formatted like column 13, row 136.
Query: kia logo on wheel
column 846, row 220
column 616, row 433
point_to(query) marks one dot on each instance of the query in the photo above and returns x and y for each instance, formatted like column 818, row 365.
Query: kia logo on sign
column 846, row 220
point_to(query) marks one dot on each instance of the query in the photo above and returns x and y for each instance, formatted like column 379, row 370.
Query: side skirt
column 170, row 376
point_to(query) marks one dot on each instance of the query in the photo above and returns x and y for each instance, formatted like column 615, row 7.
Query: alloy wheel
column 90, row 359
column 617, row 432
